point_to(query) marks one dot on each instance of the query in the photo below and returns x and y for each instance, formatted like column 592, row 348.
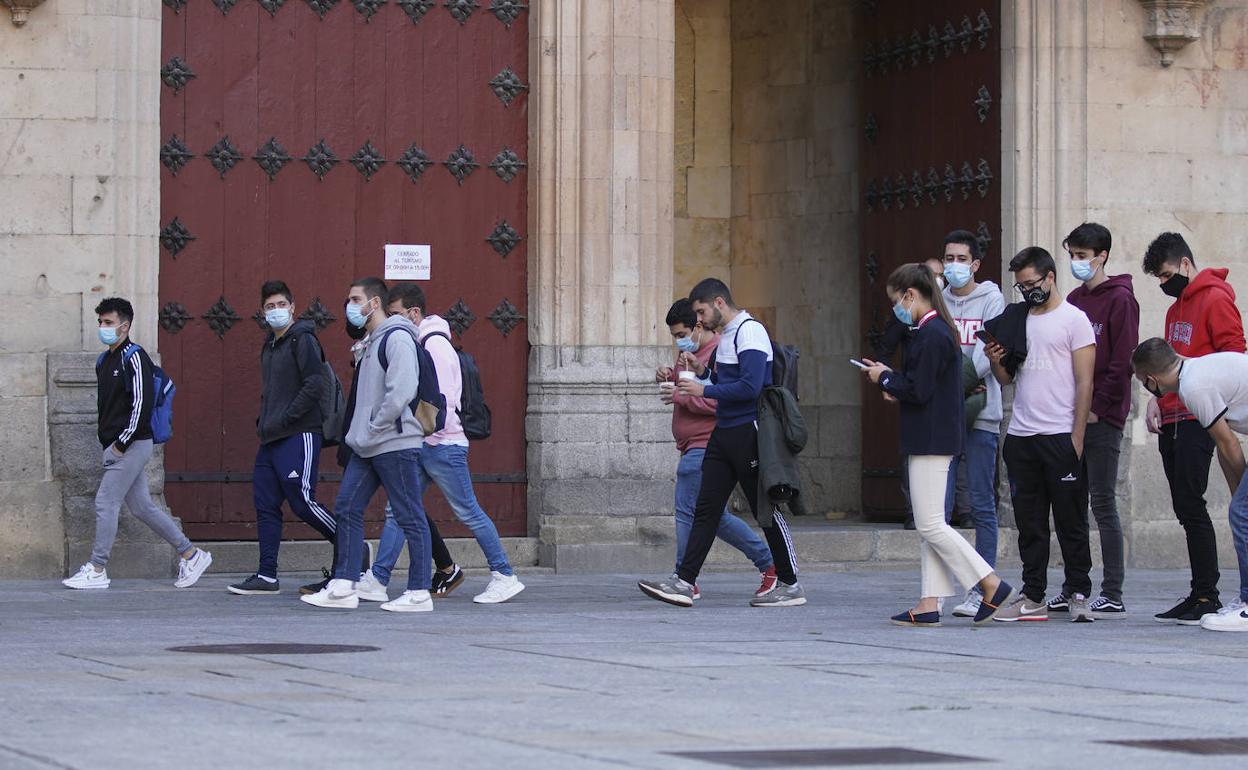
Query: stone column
column 79, row 166
column 600, row 456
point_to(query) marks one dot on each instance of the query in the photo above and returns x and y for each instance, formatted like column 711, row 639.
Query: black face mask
column 1036, row 296
column 1175, row 286
column 1156, row 390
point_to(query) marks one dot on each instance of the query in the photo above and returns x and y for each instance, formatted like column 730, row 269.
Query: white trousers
column 944, row 555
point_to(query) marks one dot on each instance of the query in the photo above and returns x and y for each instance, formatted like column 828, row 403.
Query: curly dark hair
column 1166, row 249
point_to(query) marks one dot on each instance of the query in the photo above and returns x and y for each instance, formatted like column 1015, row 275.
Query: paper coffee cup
column 687, row 375
column 667, row 387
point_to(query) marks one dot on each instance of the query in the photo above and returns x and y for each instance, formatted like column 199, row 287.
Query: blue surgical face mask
column 356, row 315
column 109, row 335
column 958, row 274
column 277, row 318
column 1082, row 269
column 903, row 314
column 686, row 345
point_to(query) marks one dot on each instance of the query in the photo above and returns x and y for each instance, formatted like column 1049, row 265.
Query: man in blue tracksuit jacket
column 741, row 369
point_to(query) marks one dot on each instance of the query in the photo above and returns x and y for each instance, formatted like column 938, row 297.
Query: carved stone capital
column 20, row 9
column 1171, row 25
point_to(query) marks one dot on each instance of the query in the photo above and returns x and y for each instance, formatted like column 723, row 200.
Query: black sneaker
column 1200, row 608
column 1104, row 607
column 316, row 588
column 1172, row 615
column 1059, row 603
column 255, row 586
column 445, row 582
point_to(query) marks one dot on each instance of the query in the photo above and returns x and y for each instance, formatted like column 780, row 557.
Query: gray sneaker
column 672, row 590
column 1079, row 612
column 1022, row 608
column 783, row 595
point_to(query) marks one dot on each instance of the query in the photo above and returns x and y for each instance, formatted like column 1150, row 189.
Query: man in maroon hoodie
column 1203, row 319
column 1109, row 303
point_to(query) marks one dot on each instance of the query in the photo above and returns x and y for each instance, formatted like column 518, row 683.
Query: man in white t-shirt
column 1047, row 348
column 1215, row 390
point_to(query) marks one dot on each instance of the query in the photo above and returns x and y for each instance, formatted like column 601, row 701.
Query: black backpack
column 783, row 361
column 474, row 414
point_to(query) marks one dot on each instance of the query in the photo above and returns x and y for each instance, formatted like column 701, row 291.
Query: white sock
column 266, row 579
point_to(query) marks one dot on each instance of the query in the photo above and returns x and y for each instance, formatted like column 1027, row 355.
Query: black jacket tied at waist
column 781, row 437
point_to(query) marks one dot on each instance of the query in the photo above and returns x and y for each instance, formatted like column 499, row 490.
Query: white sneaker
column 190, row 570
column 370, row 589
column 86, row 578
column 1232, row 617
column 338, row 594
column 969, row 606
column 501, row 588
column 411, row 601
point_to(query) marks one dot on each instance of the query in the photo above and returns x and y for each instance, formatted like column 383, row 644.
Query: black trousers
column 732, row 458
column 1045, row 474
column 1186, row 454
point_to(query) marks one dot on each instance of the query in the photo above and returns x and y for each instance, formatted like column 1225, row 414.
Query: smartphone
column 858, row 363
column 986, row 337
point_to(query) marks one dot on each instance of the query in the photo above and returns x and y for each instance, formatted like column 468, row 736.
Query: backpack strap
column 737, row 335
column 382, row 357
column 443, row 335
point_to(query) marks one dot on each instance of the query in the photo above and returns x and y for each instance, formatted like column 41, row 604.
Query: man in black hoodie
column 289, row 427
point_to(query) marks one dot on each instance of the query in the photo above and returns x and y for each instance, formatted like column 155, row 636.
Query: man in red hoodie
column 1203, row 319
column 693, row 419
column 1109, row 303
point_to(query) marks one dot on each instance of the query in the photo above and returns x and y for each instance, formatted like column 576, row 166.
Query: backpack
column 333, row 403
column 474, row 414
column 783, row 362
column 429, row 406
column 162, row 386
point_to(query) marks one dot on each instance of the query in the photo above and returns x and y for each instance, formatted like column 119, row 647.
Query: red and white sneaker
column 697, row 592
column 769, row 582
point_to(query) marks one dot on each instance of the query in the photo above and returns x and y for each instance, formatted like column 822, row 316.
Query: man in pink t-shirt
column 1047, row 348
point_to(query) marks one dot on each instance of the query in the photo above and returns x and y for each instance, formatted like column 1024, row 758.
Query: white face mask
column 277, row 318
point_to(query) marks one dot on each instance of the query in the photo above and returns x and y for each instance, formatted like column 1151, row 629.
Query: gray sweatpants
column 124, row 479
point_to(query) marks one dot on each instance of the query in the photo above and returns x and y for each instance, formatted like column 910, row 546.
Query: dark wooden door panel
column 929, row 163
column 381, row 103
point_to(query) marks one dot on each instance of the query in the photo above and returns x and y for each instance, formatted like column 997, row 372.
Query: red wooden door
column 300, row 136
column 929, row 163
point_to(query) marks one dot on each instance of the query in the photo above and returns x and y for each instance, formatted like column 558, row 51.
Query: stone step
column 240, row 556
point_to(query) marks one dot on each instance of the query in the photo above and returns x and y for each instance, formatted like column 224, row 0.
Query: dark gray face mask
column 1174, row 287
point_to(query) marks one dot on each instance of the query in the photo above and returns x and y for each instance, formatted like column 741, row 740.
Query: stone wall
column 1096, row 128
column 601, row 460
column 795, row 105
column 79, row 170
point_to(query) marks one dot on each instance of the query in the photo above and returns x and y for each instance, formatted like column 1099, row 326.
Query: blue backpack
column 162, row 386
column 429, row 406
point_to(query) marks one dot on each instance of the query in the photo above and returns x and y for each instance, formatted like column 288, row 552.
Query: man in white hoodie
column 385, row 439
column 972, row 303
column 443, row 460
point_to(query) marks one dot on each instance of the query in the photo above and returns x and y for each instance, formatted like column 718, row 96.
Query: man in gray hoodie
column 385, row 439
column 972, row 303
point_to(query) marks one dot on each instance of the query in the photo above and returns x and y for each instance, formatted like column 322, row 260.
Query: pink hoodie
column 450, row 380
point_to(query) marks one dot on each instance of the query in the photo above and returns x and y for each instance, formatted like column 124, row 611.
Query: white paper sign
column 407, row 263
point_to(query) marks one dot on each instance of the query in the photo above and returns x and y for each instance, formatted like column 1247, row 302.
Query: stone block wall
column 1172, row 142
column 79, row 135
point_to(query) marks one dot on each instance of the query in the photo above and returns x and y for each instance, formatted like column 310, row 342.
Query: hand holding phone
column 986, row 337
column 858, row 363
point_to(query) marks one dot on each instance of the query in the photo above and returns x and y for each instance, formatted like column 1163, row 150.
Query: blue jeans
column 399, row 474
column 1239, row 533
column 980, row 456
column 732, row 530
column 447, row 466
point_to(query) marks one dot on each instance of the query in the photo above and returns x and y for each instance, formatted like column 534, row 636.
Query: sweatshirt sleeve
column 142, row 396
column 312, row 379
column 749, row 387
column 402, row 379
column 918, row 382
column 703, row 405
column 446, row 364
column 1226, row 328
column 1124, row 327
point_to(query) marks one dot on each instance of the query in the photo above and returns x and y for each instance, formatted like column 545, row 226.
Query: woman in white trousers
column 929, row 390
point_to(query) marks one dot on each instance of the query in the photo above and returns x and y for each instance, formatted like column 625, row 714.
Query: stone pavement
column 585, row 672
